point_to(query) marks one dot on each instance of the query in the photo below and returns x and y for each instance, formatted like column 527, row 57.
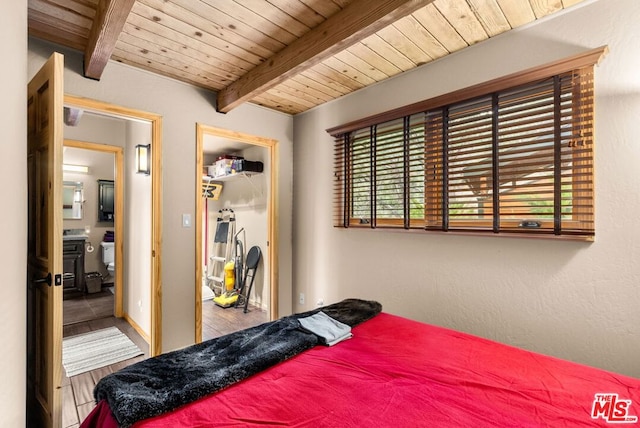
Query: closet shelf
column 235, row 176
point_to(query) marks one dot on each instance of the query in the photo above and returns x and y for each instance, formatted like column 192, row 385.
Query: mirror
column 72, row 200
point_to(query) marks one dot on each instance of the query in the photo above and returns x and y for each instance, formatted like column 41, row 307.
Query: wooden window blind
column 511, row 160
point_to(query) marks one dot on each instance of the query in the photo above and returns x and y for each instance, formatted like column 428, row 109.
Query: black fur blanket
column 168, row 381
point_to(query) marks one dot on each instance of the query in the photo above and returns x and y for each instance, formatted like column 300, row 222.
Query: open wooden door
column 44, row 266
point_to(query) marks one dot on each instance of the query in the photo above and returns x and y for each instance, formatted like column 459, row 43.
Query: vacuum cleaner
column 233, row 276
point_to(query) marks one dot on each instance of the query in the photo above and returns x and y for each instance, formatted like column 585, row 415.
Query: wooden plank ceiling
column 288, row 55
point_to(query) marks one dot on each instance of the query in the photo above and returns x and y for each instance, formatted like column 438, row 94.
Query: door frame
column 155, row 335
column 272, row 215
column 118, row 153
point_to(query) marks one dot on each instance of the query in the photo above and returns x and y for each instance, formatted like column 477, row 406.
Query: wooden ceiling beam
column 358, row 20
column 63, row 35
column 110, row 18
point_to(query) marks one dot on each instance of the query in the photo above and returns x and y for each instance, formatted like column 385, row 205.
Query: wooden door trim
column 155, row 345
column 118, row 153
column 272, row 215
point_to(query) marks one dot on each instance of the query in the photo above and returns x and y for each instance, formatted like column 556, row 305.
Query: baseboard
column 261, row 306
column 137, row 328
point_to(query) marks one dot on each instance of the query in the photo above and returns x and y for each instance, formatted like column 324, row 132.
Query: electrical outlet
column 302, row 298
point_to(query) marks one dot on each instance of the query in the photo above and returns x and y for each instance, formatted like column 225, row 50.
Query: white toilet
column 109, row 257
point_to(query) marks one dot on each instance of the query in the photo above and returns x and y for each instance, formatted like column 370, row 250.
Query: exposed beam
column 358, row 20
column 111, row 16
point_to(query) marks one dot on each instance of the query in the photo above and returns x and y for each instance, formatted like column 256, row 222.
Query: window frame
column 344, row 168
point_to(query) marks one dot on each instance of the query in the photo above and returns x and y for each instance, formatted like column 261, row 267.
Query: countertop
column 74, row 237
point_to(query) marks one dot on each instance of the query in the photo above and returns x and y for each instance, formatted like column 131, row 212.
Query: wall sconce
column 143, row 159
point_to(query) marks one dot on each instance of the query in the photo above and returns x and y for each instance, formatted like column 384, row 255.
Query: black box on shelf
column 249, row 166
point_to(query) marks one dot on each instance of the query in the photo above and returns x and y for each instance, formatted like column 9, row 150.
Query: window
column 381, row 192
column 513, row 155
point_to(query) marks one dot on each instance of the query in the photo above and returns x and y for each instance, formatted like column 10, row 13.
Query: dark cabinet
column 73, row 267
column 106, row 200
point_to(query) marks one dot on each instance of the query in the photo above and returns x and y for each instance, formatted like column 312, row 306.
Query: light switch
column 186, row 220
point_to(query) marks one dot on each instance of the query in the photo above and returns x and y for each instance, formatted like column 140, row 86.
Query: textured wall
column 574, row 300
column 13, row 216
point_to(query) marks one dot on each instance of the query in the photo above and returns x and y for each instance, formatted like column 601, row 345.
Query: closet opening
column 236, row 278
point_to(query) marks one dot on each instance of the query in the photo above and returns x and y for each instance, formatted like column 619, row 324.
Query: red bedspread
column 401, row 373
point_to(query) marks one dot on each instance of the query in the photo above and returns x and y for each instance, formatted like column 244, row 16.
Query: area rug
column 100, row 348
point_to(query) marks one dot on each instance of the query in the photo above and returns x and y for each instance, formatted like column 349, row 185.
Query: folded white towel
column 330, row 331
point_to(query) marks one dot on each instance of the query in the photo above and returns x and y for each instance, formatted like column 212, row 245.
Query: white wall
column 13, row 218
column 578, row 301
column 137, row 231
column 182, row 106
column 98, row 128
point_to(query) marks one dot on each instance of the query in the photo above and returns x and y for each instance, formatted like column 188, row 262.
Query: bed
column 401, row 373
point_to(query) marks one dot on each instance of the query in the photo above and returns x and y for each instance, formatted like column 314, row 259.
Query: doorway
column 206, row 137
column 88, row 302
column 151, row 321
column 92, row 289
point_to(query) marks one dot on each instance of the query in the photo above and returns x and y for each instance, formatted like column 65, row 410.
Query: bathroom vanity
column 73, row 266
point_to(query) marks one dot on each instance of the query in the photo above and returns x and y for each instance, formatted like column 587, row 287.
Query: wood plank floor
column 81, row 315
column 217, row 321
column 95, row 312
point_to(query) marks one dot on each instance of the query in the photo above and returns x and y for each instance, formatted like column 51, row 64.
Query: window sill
column 525, row 235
